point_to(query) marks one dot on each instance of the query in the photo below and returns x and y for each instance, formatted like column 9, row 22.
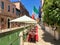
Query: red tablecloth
column 36, row 33
column 29, row 37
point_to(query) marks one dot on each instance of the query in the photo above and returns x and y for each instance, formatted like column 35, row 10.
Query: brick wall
column 5, row 15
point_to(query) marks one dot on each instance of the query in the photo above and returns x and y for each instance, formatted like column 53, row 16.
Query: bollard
column 21, row 38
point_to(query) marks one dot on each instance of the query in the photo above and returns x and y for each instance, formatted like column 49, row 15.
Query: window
column 17, row 12
column 2, row 20
column 2, row 5
column 9, row 8
column 13, row 10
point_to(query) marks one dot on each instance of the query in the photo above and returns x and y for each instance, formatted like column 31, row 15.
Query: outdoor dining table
column 33, row 35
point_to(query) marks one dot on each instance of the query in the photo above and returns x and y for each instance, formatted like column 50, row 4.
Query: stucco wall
column 49, row 30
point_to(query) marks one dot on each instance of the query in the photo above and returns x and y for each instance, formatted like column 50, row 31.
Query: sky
column 29, row 4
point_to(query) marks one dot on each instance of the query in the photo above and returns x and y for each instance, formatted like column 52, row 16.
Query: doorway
column 8, row 23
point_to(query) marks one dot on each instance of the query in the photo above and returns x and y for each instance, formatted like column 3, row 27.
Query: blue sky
column 29, row 4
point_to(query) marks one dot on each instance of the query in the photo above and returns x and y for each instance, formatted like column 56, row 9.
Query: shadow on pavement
column 48, row 38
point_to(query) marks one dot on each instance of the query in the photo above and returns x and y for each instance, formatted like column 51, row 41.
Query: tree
column 51, row 11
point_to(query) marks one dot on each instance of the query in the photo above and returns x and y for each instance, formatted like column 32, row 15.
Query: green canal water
column 11, row 37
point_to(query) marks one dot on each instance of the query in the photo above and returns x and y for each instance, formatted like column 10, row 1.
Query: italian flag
column 35, row 12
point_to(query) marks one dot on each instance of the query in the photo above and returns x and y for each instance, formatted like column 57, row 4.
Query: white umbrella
column 24, row 19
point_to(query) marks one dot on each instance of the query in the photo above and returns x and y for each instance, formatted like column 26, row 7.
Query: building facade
column 20, row 6
column 10, row 10
column 41, row 10
column 42, row 2
column 7, row 13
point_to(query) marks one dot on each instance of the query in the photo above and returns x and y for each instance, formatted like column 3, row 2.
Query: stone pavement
column 41, row 35
column 44, row 39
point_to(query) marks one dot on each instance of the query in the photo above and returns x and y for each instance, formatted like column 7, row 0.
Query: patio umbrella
column 24, row 19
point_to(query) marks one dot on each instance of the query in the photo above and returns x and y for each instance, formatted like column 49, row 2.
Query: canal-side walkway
column 41, row 41
column 37, row 43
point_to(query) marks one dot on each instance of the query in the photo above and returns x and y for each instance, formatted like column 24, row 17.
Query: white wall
column 49, row 30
